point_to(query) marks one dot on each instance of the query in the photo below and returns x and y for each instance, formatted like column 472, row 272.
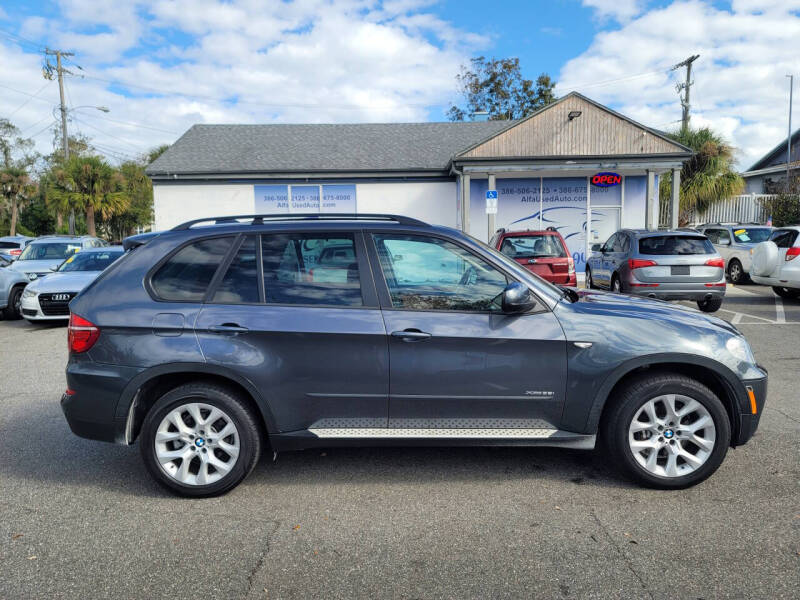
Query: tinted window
column 51, row 251
column 186, row 275
column 620, row 243
column 674, row 244
column 784, row 238
column 89, row 261
column 239, row 285
column 609, row 245
column 533, row 246
column 425, row 273
column 315, row 269
column 751, row 235
column 9, row 245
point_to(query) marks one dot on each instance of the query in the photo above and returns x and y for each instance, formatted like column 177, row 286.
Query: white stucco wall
column 434, row 202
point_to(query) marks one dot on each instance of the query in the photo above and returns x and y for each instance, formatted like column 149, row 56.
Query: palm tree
column 707, row 177
column 17, row 188
column 90, row 184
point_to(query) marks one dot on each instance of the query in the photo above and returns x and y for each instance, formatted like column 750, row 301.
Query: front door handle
column 411, row 335
column 232, row 328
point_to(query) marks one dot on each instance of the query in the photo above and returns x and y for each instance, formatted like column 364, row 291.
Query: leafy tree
column 708, row 177
column 497, row 87
column 155, row 153
column 17, row 188
column 138, row 189
column 784, row 209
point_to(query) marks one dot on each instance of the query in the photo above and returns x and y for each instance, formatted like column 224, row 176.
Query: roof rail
column 260, row 219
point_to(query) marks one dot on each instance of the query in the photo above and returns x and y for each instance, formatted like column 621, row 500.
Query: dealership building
column 574, row 165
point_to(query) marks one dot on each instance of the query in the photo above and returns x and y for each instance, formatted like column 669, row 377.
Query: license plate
column 680, row 270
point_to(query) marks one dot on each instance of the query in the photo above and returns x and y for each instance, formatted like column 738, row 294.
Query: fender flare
column 128, row 395
column 727, row 377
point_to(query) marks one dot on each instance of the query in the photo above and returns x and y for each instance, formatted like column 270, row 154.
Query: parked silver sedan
column 668, row 265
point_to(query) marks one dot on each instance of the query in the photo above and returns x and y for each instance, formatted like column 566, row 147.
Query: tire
column 736, row 272
column 709, row 306
column 788, row 293
column 589, row 281
column 12, row 311
column 616, row 284
column 662, row 471
column 765, row 259
column 181, row 403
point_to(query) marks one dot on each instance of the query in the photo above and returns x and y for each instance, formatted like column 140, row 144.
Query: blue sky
column 162, row 65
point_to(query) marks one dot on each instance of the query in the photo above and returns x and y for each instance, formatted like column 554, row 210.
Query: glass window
column 712, row 235
column 425, row 273
column 90, row 261
column 186, row 275
column 665, row 245
column 609, row 245
column 751, row 235
column 317, row 269
column 784, row 238
column 240, row 282
column 49, row 251
column 619, row 243
column 533, row 246
column 724, row 237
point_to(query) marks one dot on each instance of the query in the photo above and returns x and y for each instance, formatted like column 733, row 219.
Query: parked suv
column 214, row 341
column 734, row 243
column 669, row 265
column 775, row 262
column 542, row 252
column 11, row 246
column 44, row 254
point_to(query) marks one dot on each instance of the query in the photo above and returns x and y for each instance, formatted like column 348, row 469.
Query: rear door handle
column 228, row 328
column 411, row 335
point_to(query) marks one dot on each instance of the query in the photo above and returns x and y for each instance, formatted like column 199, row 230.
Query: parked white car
column 734, row 242
column 48, row 298
column 776, row 262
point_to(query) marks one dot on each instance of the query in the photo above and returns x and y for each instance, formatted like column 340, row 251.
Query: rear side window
column 312, row 269
column 186, row 275
column 239, row 285
column 9, row 245
column 665, row 245
column 533, row 246
column 784, row 238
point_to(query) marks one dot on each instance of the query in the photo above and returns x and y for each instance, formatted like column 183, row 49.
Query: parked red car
column 542, row 252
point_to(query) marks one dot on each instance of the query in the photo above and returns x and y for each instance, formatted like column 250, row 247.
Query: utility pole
column 48, row 74
column 789, row 137
column 685, row 87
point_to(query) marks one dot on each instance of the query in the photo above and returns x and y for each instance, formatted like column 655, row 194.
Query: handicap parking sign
column 491, row 202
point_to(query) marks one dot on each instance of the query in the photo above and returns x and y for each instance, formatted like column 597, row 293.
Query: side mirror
column 517, row 298
column 596, row 247
column 54, row 268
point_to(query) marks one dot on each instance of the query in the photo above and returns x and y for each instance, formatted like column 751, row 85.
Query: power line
column 139, row 125
column 18, row 39
column 33, row 96
column 610, row 81
column 132, row 145
column 24, row 104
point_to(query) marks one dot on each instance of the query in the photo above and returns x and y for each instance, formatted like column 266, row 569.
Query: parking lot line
column 780, row 316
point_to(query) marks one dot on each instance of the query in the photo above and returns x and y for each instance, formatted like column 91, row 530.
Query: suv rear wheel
column 710, row 305
column 589, row 281
column 788, row 293
column 200, row 439
column 666, row 431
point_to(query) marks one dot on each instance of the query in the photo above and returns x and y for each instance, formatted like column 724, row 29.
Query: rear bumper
column 677, row 291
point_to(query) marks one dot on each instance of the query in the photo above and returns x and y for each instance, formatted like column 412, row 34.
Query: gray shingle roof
column 207, row 149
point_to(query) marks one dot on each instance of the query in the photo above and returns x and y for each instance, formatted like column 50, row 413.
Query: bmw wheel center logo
column 199, row 442
column 669, row 433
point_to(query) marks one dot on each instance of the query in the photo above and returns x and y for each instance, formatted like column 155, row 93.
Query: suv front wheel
column 666, row 431
column 200, row 439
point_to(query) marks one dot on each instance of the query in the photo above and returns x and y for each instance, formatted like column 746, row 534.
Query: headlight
column 28, row 294
column 740, row 349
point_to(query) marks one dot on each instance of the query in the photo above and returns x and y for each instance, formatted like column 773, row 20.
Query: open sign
column 606, row 179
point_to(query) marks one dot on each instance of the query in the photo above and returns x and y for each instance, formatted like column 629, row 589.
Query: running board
column 539, row 437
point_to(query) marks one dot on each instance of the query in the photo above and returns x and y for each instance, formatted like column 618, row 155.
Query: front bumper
column 32, row 311
column 750, row 410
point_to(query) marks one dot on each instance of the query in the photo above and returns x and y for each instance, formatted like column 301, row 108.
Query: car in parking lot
column 47, row 252
column 11, row 246
column 775, row 262
column 214, row 341
column 668, row 265
column 542, row 252
column 12, row 283
column 734, row 241
column 48, row 298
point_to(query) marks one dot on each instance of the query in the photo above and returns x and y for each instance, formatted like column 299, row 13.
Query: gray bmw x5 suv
column 216, row 340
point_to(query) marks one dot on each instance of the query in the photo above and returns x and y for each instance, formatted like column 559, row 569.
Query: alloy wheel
column 735, row 271
column 672, row 435
column 197, row 444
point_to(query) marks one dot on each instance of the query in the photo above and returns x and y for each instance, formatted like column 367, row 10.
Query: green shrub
column 784, row 209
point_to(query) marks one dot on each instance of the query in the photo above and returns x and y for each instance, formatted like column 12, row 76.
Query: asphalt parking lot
column 82, row 519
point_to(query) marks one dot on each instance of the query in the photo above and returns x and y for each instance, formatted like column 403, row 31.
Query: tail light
column 715, row 262
column 792, row 253
column 638, row 263
column 81, row 334
column 15, row 252
column 571, row 268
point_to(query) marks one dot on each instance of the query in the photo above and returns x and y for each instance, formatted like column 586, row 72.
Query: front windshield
column 90, row 261
column 533, row 246
column 49, row 251
column 751, row 235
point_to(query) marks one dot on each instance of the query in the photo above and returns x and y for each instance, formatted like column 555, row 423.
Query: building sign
column 305, row 198
column 606, row 179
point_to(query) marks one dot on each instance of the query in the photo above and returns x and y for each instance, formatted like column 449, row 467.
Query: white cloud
column 621, row 10
column 740, row 88
column 235, row 61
